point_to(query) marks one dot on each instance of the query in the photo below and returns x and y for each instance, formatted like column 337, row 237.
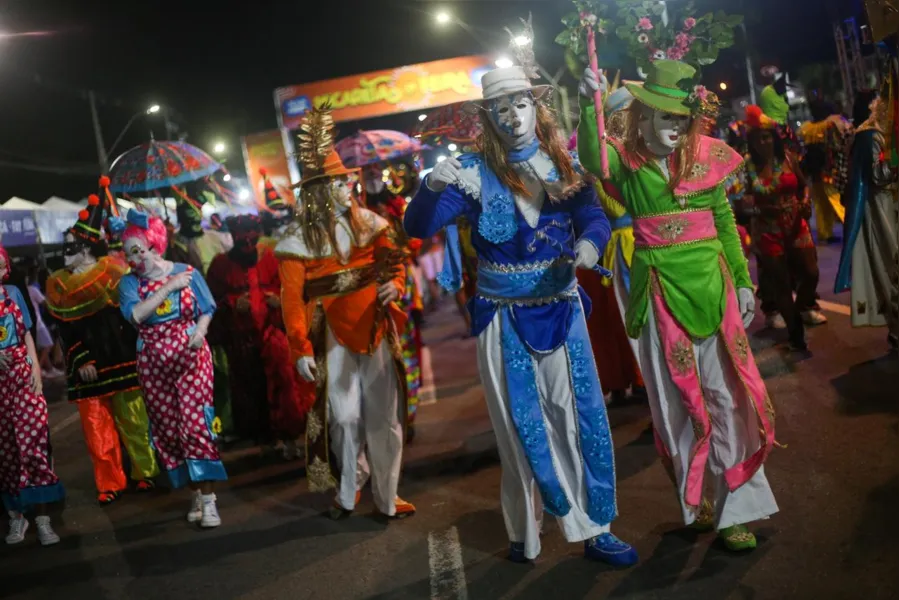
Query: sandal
column 403, row 509
column 737, row 538
column 145, row 485
column 705, row 520
column 106, row 498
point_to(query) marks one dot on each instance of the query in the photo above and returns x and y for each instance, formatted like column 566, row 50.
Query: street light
column 452, row 147
column 443, row 17
column 723, row 86
column 504, row 62
column 227, row 177
column 152, row 110
column 422, row 117
column 219, row 148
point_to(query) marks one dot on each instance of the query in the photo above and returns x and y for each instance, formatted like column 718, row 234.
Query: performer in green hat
column 690, row 298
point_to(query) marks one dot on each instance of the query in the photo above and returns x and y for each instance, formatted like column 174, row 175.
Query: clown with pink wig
column 171, row 307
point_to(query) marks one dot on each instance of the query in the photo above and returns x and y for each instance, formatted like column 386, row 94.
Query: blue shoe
column 609, row 549
column 516, row 552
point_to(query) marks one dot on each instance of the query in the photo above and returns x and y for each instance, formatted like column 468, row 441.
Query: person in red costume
column 269, row 400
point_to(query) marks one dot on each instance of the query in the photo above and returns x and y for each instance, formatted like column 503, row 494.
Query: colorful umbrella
column 370, row 147
column 449, row 125
column 157, row 165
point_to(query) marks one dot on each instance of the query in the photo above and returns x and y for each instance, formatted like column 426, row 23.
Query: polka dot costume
column 177, row 383
column 26, row 467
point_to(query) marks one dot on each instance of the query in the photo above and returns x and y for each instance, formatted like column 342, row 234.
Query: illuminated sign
column 380, row 93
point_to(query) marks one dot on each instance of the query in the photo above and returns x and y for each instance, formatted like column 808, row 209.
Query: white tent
column 16, row 203
column 60, row 204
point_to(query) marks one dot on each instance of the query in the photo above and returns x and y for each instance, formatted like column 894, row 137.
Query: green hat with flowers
column 668, row 87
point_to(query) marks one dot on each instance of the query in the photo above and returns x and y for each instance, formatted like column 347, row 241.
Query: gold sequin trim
column 319, row 475
column 682, row 358
column 741, row 347
column 314, row 427
column 719, row 152
column 672, row 228
column 698, row 171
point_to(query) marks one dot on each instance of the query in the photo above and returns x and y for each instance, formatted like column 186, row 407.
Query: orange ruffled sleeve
column 293, row 307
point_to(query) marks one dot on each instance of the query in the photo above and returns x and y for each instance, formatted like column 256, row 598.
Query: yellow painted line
column 840, row 309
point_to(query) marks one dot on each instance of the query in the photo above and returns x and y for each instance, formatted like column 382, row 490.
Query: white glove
column 589, row 85
column 747, row 305
column 306, row 368
column 587, row 256
column 88, row 373
column 196, row 339
column 445, row 173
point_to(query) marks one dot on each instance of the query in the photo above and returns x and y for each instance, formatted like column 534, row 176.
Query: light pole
column 102, row 153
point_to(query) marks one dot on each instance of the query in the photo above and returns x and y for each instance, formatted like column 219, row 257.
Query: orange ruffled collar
column 73, row 296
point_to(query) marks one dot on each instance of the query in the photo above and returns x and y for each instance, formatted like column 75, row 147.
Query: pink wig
column 154, row 234
column 5, row 256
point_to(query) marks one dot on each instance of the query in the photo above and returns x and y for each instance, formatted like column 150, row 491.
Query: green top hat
column 667, row 87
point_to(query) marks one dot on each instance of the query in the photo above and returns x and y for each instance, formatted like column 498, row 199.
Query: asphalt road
column 837, row 484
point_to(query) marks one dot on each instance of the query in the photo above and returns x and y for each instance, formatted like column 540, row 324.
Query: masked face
column 514, row 118
column 374, row 179
column 663, row 132
column 341, row 195
column 141, row 258
column 75, row 253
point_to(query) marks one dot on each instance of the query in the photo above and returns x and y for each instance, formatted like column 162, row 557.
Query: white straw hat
column 504, row 82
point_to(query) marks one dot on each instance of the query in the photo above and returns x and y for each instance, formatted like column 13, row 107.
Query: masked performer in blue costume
column 535, row 220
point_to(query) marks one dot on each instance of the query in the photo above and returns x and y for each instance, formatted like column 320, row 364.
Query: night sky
column 216, row 65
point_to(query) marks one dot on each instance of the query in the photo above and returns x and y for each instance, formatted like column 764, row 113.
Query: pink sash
column 676, row 228
column 681, row 362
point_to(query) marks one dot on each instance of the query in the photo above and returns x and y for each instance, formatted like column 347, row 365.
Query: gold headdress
column 316, row 147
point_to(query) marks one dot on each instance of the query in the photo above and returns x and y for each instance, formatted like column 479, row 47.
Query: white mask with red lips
column 663, row 132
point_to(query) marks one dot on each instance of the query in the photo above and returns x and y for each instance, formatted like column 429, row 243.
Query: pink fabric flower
column 701, row 92
column 675, row 53
column 683, row 40
column 644, row 24
column 689, row 23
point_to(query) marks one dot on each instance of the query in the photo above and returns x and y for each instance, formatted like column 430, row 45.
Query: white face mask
column 514, row 118
column 341, row 195
column 663, row 132
column 140, row 257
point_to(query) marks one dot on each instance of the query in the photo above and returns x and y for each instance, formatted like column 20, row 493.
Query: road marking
column 64, row 423
column 447, row 571
column 840, row 309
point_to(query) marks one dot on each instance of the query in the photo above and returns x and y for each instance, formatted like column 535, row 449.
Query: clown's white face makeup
column 141, row 258
column 514, row 118
column 340, row 195
column 663, row 132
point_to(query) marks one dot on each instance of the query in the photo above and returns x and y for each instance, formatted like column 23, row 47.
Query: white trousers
column 622, row 295
column 521, row 503
column 735, row 431
column 363, row 398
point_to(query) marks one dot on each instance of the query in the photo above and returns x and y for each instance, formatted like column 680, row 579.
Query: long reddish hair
column 495, row 153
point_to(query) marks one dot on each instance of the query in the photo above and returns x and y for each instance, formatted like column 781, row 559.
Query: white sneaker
column 45, row 534
column 210, row 512
column 18, row 525
column 813, row 317
column 196, row 508
column 775, row 321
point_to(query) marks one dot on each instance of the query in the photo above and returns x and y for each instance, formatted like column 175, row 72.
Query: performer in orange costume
column 341, row 275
